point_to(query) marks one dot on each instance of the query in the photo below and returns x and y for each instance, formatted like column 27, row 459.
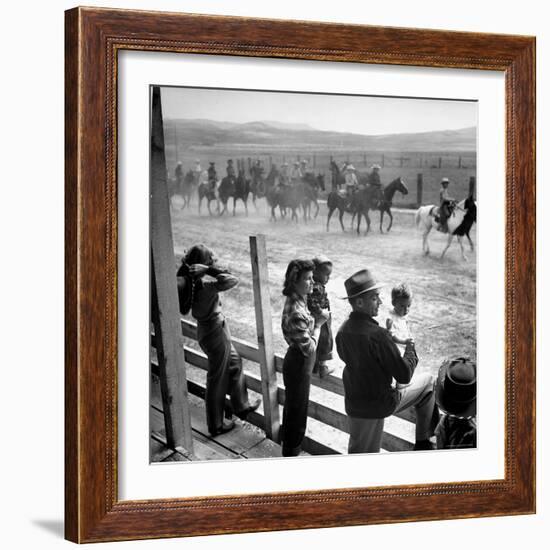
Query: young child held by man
column 396, row 323
column 318, row 300
column 455, row 395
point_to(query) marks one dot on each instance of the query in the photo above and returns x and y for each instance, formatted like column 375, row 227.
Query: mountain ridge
column 265, row 133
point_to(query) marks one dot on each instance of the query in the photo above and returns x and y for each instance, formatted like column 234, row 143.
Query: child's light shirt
column 399, row 328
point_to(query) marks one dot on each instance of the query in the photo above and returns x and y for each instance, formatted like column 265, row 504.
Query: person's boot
column 226, row 426
column 325, row 370
column 251, row 408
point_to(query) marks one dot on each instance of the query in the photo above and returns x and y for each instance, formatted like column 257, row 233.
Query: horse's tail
column 417, row 218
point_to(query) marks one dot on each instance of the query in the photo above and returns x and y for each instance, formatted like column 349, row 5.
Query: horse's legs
column 246, row 206
column 391, row 219
column 234, row 204
column 367, row 217
column 317, row 209
column 459, row 237
column 381, row 219
column 425, row 245
column 352, row 219
column 329, row 215
column 472, row 248
column 449, row 241
column 358, row 221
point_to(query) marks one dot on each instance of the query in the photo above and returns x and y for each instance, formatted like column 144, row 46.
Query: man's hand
column 389, row 324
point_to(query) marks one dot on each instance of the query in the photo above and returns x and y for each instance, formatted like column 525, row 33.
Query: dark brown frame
column 93, row 38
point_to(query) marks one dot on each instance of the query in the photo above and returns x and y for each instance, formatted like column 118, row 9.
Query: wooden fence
column 399, row 430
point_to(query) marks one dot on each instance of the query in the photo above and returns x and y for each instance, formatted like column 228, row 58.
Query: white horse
column 459, row 223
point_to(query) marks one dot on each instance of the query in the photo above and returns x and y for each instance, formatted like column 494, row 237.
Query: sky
column 340, row 113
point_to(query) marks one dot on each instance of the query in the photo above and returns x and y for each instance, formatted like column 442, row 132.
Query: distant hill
column 204, row 132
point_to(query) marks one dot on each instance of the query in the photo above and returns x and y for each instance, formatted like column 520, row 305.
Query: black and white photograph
column 323, row 251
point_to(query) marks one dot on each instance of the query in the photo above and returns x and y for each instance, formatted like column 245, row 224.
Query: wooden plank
column 164, row 299
column 399, row 432
column 264, row 449
column 239, row 440
column 264, row 330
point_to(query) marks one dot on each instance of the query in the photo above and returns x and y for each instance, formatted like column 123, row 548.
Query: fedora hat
column 359, row 283
column 455, row 388
column 445, row 180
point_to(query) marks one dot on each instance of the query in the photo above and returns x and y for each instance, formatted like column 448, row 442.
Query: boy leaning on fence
column 317, row 301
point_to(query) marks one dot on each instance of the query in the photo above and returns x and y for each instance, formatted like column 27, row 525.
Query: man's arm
column 401, row 368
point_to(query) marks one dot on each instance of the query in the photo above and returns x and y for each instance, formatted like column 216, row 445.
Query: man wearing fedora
column 372, row 361
column 455, row 394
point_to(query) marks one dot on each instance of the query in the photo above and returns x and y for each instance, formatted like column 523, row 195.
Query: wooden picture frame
column 93, row 511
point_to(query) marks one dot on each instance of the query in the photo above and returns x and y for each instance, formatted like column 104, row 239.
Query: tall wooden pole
column 264, row 329
column 164, row 296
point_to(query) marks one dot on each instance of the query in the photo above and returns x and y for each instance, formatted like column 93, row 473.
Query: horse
column 185, row 188
column 313, row 184
column 342, row 203
column 459, row 223
column 208, row 191
column 338, row 179
column 242, row 190
column 369, row 198
column 226, row 190
column 259, row 183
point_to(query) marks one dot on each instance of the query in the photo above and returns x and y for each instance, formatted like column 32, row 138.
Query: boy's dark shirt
column 372, row 359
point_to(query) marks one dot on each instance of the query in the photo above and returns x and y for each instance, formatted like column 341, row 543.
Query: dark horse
column 342, row 203
column 370, row 198
column 238, row 188
column 208, row 191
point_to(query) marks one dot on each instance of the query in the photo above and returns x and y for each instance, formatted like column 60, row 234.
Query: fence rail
column 399, row 430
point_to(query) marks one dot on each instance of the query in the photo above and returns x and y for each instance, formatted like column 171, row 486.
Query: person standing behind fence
column 317, row 301
column 455, row 394
column 372, row 360
column 301, row 332
column 201, row 297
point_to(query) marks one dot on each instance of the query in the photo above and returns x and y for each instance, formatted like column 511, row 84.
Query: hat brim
column 374, row 287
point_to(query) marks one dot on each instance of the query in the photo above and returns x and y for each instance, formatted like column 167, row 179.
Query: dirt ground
column 443, row 313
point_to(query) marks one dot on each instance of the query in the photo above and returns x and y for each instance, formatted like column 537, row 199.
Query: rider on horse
column 446, row 206
column 231, row 170
column 351, row 180
column 178, row 172
column 373, row 181
column 284, row 177
column 295, row 173
column 212, row 176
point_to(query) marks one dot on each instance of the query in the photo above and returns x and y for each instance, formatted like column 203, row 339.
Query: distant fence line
column 320, row 161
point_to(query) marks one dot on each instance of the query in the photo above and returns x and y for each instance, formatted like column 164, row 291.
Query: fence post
column 472, row 186
column 260, row 281
column 383, row 160
column 460, row 162
column 419, row 185
column 164, row 296
column 439, row 162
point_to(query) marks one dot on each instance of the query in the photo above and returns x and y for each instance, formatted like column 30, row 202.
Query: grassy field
column 457, row 166
column 443, row 314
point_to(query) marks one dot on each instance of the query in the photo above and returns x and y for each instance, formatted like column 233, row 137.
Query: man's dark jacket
column 372, row 359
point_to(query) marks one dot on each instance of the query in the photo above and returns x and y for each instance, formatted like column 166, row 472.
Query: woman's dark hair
column 293, row 273
column 197, row 254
